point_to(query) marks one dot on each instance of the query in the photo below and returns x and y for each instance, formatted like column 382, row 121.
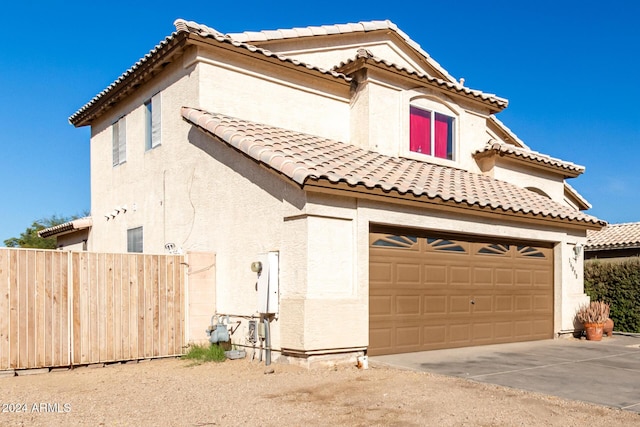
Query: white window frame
column 435, row 104
column 119, row 141
column 153, row 123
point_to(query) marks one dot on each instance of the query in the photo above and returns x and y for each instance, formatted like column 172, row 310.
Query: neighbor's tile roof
column 76, row 224
column 364, row 54
column 614, row 236
column 302, row 158
column 496, row 147
column 325, row 30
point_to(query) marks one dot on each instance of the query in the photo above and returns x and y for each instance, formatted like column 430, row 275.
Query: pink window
column 431, row 133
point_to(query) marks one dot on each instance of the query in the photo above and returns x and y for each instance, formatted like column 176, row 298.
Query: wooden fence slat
column 39, row 331
column 169, row 324
column 78, row 272
column 162, row 306
column 107, row 316
column 120, row 303
column 5, row 307
column 142, row 308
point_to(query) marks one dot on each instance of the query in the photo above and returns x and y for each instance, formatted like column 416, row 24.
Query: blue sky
column 568, row 68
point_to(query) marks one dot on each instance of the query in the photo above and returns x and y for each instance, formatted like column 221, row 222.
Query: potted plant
column 593, row 316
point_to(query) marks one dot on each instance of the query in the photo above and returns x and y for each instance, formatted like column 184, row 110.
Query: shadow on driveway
column 604, row 373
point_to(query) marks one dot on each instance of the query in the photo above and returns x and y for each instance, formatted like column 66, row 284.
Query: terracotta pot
column 608, row 327
column 594, row 331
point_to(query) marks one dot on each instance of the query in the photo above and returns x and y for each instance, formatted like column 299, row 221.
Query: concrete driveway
column 605, row 372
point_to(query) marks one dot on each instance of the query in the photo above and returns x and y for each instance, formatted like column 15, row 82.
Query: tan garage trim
column 430, row 292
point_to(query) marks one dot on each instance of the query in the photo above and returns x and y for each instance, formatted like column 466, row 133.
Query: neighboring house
column 615, row 242
column 72, row 235
column 396, row 212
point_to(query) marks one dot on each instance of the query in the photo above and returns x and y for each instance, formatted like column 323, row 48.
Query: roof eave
column 324, row 184
column 139, row 73
column 565, row 172
column 495, row 104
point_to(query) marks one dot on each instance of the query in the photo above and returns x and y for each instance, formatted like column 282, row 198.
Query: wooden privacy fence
column 71, row 308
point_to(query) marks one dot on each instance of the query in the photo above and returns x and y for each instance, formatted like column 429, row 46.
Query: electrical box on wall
column 269, row 283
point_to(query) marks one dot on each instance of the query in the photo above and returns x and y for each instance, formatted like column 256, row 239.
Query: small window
column 152, row 122
column 119, row 142
column 134, row 240
column 431, row 133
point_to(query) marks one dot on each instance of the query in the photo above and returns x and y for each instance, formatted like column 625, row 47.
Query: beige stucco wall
column 551, row 184
column 330, row 52
column 241, row 87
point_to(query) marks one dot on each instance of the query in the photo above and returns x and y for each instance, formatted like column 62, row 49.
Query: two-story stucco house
column 398, row 213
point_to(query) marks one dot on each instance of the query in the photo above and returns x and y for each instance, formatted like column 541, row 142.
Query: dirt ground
column 174, row 392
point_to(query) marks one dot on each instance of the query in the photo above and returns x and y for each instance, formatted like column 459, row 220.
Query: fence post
column 70, row 314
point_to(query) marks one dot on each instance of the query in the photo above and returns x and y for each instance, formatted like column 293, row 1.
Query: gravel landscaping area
column 175, row 392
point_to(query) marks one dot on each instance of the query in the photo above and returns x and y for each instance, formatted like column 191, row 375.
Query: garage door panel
column 380, row 272
column 483, row 304
column 460, row 304
column 408, row 336
column 460, row 276
column 542, row 278
column 504, row 303
column 524, row 278
column 542, row 303
column 434, row 336
column 435, row 275
column 504, row 277
column 460, row 334
column 380, row 305
column 407, row 305
column 503, row 330
column 380, row 338
column 523, row 329
column 524, row 303
column 421, row 294
column 483, row 276
column 408, row 274
column 483, row 331
column 435, row 305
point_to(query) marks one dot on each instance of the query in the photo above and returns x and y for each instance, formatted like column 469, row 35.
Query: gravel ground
column 174, row 392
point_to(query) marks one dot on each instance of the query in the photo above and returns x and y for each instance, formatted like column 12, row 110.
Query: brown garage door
column 430, row 292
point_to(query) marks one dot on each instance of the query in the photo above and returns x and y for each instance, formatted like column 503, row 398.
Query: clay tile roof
column 494, row 147
column 364, row 54
column 141, row 69
column 614, row 236
column 67, row 227
column 208, row 32
column 364, row 26
column 304, row 158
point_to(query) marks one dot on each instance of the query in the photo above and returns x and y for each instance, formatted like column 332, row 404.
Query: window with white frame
column 134, row 240
column 152, row 122
column 431, row 133
column 119, row 141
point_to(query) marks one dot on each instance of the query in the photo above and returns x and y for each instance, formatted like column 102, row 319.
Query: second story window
column 119, row 142
column 431, row 133
column 152, row 122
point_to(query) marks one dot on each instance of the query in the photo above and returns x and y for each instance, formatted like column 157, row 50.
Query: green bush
column 619, row 285
column 202, row 353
